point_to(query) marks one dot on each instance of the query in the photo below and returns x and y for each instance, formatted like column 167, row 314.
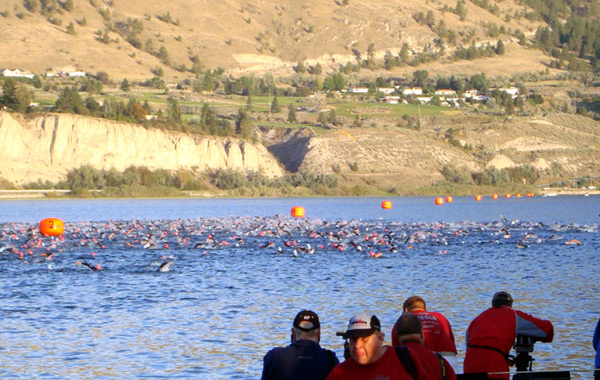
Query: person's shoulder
column 275, row 352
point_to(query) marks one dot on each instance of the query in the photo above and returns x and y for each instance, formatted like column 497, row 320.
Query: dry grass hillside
column 245, row 36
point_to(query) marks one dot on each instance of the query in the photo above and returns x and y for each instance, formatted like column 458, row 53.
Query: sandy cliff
column 47, row 147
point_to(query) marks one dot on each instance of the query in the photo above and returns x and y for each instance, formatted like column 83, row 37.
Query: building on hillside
column 16, row 73
column 445, row 92
column 412, row 91
column 73, row 74
column 512, row 91
column 424, row 99
column 391, row 99
column 471, row 93
column 359, row 90
column 386, row 90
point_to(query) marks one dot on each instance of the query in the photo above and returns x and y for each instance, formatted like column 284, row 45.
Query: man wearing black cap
column 369, row 358
column 304, row 358
column 492, row 334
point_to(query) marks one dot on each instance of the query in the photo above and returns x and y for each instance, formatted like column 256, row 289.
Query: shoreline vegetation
column 428, row 191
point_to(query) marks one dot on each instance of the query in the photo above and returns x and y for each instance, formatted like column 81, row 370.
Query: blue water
column 230, row 297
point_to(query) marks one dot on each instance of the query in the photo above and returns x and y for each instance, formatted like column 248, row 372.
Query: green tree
column 500, row 50
column 71, row 29
column 68, row 5
column 69, row 101
column 275, row 108
column 163, row 55
column 292, row 114
column 249, row 103
column 32, row 6
column 174, row 114
column 125, row 85
column 300, row 68
column 243, row 125
column 461, row 10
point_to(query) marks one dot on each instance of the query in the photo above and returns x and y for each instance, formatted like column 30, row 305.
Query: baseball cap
column 362, row 325
column 307, row 316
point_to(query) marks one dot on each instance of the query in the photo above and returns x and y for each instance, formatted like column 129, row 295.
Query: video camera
column 523, row 346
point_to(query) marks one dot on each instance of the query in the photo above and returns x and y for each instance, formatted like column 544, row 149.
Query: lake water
column 230, row 297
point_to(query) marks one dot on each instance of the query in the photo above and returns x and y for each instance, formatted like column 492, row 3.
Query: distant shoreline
column 63, row 194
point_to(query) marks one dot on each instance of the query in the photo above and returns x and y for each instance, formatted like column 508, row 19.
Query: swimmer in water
column 165, row 267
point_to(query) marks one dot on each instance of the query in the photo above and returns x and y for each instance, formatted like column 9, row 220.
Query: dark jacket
column 303, row 359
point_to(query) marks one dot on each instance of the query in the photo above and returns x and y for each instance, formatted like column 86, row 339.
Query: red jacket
column 492, row 334
column 436, row 331
column 427, row 361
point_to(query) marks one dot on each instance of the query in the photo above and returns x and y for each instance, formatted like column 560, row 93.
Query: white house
column 391, row 99
column 75, row 74
column 424, row 99
column 445, row 92
column 17, row 73
column 386, row 90
column 512, row 91
column 412, row 91
column 360, row 90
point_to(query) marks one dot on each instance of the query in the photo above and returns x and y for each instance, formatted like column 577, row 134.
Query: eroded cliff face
column 49, row 146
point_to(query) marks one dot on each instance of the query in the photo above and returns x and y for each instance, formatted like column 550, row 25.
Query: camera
column 523, row 346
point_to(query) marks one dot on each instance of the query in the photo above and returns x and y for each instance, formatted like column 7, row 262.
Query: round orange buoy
column 449, row 199
column 386, row 205
column 297, row 212
column 52, row 227
column 439, row 201
column 494, row 196
column 507, row 196
column 518, row 195
column 478, row 197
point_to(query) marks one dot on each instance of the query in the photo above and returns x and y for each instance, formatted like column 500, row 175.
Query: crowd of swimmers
column 423, row 346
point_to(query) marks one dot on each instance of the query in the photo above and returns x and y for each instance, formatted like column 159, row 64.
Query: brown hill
column 245, row 36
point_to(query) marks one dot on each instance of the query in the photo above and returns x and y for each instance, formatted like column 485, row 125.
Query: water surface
column 230, row 297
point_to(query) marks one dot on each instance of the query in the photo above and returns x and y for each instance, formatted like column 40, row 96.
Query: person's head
column 502, row 299
column 306, row 326
column 409, row 327
column 414, row 303
column 365, row 338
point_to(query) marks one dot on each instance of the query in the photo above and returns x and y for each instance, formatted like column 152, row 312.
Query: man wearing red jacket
column 437, row 331
column 409, row 331
column 492, row 334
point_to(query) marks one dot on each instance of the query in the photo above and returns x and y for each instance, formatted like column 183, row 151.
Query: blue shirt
column 303, row 359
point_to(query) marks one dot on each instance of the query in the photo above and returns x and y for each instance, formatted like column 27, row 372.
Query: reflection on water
column 230, row 296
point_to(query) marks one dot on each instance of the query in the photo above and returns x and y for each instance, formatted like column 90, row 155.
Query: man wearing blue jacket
column 304, row 358
column 595, row 342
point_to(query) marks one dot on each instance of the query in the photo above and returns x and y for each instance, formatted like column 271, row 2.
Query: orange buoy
column 386, row 205
column 52, row 227
column 494, row 196
column 478, row 197
column 449, row 199
column 439, row 201
column 518, row 195
column 507, row 196
column 297, row 212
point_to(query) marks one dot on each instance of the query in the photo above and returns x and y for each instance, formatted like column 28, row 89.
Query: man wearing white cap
column 369, row 358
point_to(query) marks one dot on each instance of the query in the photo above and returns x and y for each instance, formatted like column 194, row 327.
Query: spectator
column 304, row 358
column 492, row 334
column 595, row 344
column 437, row 331
column 369, row 358
column 409, row 331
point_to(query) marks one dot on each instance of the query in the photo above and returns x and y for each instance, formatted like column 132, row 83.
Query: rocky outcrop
column 47, row 147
